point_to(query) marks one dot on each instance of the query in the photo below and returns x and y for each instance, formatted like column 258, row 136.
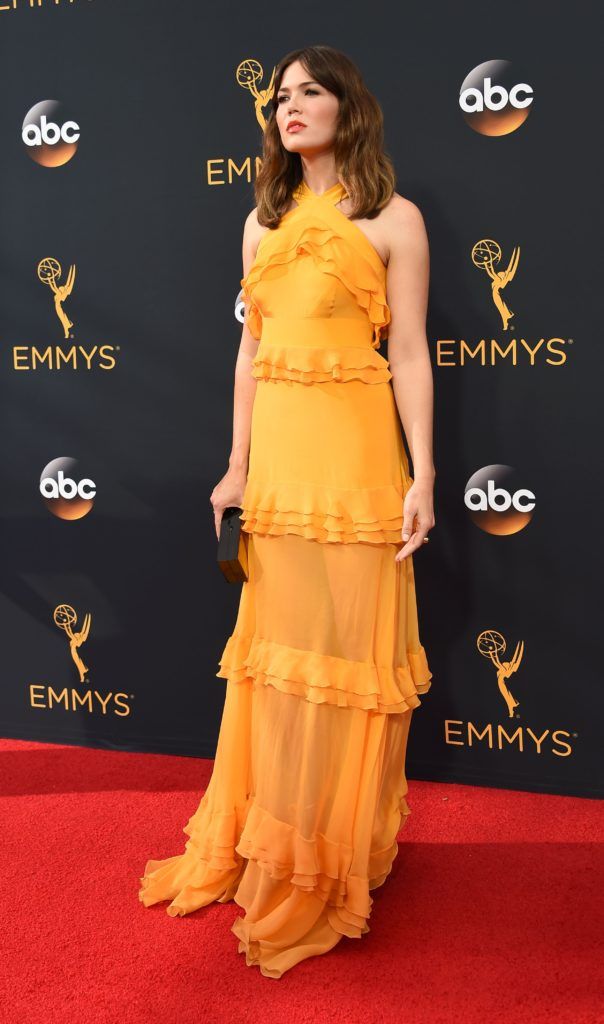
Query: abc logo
column 66, row 493
column 50, row 138
column 492, row 99
column 240, row 307
column 496, row 501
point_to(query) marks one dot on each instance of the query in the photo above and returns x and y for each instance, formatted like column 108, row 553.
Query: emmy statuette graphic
column 248, row 74
column 491, row 644
column 485, row 255
column 49, row 272
column 65, row 617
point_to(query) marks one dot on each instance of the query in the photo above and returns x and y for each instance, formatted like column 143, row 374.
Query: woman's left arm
column 407, row 294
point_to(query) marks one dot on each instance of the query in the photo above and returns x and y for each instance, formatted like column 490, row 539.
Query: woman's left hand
column 418, row 506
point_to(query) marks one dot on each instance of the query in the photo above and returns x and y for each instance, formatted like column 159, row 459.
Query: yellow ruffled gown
column 324, row 665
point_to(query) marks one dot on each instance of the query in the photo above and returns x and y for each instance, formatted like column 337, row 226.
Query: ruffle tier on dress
column 332, row 624
column 327, row 240
column 301, row 868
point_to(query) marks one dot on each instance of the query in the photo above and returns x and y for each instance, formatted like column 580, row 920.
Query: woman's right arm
column 229, row 490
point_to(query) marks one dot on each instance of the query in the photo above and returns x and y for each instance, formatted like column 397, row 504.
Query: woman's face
column 300, row 99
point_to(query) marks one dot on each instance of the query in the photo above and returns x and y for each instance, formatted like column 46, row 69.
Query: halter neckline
column 332, row 195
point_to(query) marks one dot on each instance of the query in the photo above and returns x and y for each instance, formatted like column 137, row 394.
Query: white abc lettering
column 65, row 487
column 495, row 97
column 498, row 499
column 515, row 95
column 50, row 133
column 521, row 506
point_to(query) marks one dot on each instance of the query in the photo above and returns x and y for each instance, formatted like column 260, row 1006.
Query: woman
column 324, row 666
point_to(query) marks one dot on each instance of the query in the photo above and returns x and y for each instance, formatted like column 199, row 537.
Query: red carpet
column 493, row 912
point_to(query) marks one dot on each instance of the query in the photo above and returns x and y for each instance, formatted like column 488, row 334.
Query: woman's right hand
column 228, row 492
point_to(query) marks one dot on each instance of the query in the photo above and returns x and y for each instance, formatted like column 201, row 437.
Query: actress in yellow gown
column 324, row 665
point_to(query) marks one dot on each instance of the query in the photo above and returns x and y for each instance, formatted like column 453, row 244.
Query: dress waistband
column 317, row 332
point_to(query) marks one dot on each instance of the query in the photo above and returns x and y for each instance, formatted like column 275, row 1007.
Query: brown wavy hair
column 362, row 164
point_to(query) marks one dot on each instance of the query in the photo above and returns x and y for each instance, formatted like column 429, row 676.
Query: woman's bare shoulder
column 403, row 223
column 399, row 210
column 252, row 233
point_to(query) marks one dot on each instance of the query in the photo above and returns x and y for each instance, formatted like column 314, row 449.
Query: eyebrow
column 285, row 89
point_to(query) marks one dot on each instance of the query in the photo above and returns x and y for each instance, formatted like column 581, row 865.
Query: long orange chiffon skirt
column 308, row 791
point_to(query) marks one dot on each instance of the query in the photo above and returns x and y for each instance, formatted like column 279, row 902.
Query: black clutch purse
column 232, row 546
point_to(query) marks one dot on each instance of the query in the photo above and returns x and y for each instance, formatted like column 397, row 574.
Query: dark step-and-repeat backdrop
column 131, row 135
